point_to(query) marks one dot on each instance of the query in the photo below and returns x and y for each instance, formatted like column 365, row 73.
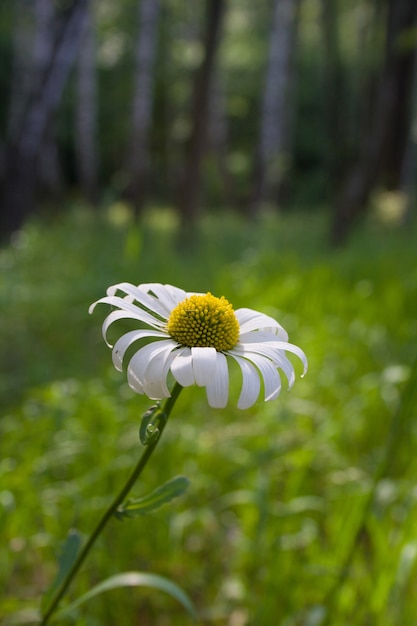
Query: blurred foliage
column 278, row 493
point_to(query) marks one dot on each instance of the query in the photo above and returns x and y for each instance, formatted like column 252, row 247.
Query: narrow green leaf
column 134, row 579
column 66, row 559
column 160, row 496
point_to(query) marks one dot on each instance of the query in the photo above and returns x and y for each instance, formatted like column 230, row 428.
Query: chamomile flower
column 193, row 336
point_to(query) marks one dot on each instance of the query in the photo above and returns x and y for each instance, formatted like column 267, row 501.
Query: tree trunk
column 142, row 103
column 44, row 40
column 218, row 142
column 48, row 168
column 86, row 111
column 272, row 158
column 190, row 187
column 32, row 52
column 369, row 29
column 332, row 94
column 408, row 183
column 393, row 100
column 18, row 197
column 404, row 17
column 22, row 66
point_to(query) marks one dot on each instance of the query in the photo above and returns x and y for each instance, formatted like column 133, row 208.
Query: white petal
column 268, row 350
column 168, row 295
column 290, row 347
column 134, row 382
column 204, row 361
column 270, row 375
column 263, row 348
column 261, row 342
column 136, row 370
column 114, row 316
column 251, row 384
column 155, row 383
column 283, row 363
column 136, row 312
column 253, row 320
column 127, row 339
column 217, row 388
column 259, row 336
column 182, row 368
column 148, row 301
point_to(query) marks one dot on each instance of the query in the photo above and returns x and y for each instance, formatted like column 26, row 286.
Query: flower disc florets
column 204, row 321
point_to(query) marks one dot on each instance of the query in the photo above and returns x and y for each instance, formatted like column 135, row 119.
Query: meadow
column 299, row 512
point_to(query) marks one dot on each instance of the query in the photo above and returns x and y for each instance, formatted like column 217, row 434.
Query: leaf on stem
column 150, row 425
column 157, row 498
column 134, row 579
column 66, row 559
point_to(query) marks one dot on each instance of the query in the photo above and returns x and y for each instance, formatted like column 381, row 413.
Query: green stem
column 144, row 458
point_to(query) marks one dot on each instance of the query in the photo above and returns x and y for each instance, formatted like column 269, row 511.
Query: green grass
column 298, row 507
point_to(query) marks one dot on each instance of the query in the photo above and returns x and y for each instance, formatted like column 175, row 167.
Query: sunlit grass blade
column 134, row 579
column 157, row 498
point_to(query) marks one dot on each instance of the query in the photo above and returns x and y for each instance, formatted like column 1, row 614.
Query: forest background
column 264, row 151
column 208, row 105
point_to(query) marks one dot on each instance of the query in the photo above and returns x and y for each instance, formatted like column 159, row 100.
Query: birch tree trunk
column 190, row 187
column 272, row 158
column 86, row 111
column 18, row 194
column 138, row 162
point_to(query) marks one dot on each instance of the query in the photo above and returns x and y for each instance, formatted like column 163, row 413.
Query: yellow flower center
column 204, row 321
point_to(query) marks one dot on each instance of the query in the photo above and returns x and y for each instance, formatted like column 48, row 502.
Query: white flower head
column 192, row 336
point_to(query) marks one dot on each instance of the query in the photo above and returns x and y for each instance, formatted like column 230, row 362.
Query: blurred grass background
column 298, row 509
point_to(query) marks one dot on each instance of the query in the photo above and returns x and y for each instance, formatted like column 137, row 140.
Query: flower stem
column 108, row 514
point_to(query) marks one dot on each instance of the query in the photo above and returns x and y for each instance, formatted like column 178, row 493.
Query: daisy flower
column 192, row 335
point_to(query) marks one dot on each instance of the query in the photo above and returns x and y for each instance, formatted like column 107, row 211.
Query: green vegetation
column 295, row 506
